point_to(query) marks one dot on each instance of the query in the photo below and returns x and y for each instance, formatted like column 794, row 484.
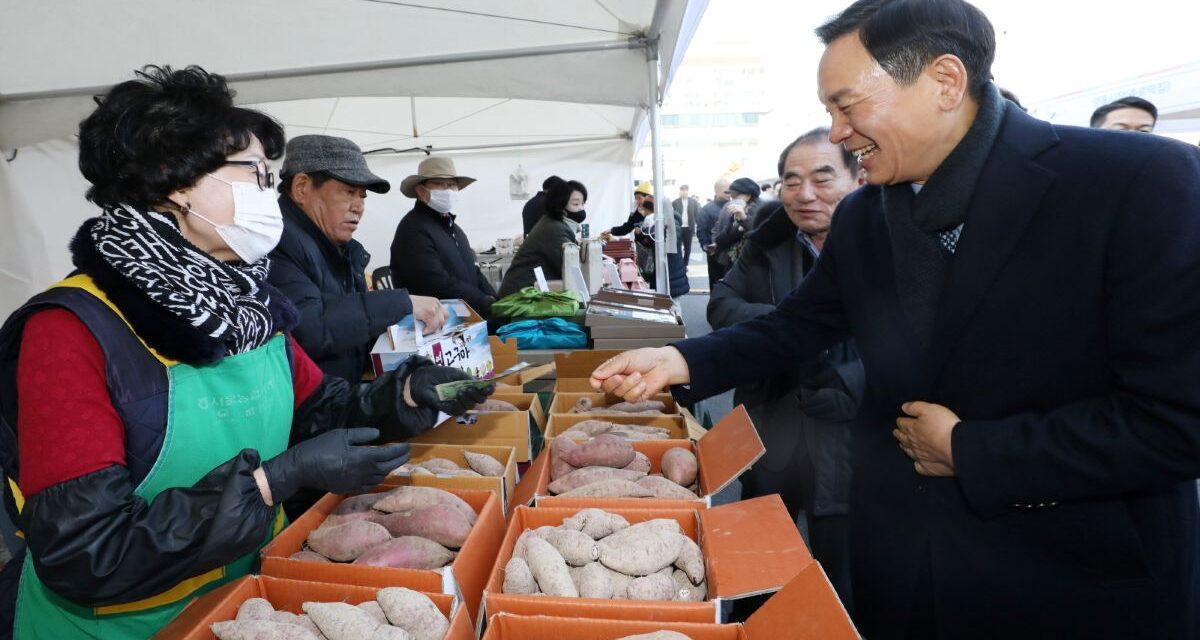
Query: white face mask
column 257, row 221
column 443, row 201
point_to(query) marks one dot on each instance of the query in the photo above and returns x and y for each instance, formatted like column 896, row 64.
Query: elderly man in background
column 320, row 266
column 431, row 255
column 706, row 221
column 803, row 415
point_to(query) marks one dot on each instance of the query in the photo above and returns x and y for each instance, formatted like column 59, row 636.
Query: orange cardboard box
column 465, row 576
column 288, row 595
column 575, row 369
column 495, row 429
column 502, row 486
column 504, row 354
column 560, row 422
column 728, row 450
column 750, row 547
column 807, row 608
column 563, row 402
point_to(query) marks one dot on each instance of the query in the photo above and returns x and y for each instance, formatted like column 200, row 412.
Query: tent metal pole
column 662, row 206
column 499, row 145
column 374, row 65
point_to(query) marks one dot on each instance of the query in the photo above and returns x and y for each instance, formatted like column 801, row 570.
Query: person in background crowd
column 706, row 221
column 1127, row 114
column 1023, row 296
column 156, row 411
column 736, row 219
column 430, row 254
column 803, row 416
column 677, row 280
column 639, row 214
column 319, row 265
column 686, row 206
column 533, row 210
column 543, row 247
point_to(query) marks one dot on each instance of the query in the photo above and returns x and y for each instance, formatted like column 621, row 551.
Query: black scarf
column 227, row 304
column 914, row 220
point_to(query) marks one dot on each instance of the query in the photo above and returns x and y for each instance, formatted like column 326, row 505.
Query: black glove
column 422, row 383
column 332, row 462
column 827, row 404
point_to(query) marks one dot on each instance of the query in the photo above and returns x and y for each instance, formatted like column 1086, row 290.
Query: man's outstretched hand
column 639, row 374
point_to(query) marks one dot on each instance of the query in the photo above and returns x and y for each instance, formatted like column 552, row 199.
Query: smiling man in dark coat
column 1026, row 301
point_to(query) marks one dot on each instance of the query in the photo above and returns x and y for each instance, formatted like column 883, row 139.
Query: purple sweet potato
column 558, row 466
column 410, row 498
column 610, row 489
column 259, row 630
column 308, row 555
column 492, row 404
column 340, row 621
column 345, row 542
column 640, row 463
column 663, row 488
column 680, row 466
column 590, row 428
column 352, row 508
column 602, row 451
column 407, row 552
column 414, row 612
column 438, row 465
column 441, row 523
column 588, row 475
column 655, row 406
column 484, row 464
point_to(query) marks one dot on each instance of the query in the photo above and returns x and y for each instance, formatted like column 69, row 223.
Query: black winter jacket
column 339, row 318
column 431, row 256
column 772, row 263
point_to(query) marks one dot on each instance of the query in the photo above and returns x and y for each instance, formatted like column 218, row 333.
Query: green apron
column 242, row 402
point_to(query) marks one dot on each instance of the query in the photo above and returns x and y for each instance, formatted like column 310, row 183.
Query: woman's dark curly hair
column 559, row 194
column 161, row 132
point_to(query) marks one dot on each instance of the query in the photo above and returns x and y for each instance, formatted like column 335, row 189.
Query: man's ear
column 950, row 74
column 301, row 188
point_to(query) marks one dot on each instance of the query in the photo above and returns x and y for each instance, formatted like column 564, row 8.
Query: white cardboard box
column 462, row 343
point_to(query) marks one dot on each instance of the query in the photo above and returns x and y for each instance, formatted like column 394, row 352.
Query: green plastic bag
column 531, row 303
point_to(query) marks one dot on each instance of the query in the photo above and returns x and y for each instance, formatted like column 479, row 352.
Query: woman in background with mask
column 156, row 412
column 543, row 247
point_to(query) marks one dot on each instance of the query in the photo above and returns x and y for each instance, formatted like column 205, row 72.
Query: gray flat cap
column 338, row 157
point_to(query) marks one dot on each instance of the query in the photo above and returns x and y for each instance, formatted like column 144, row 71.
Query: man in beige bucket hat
column 431, row 255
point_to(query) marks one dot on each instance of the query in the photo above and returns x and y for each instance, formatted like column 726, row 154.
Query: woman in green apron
column 155, row 410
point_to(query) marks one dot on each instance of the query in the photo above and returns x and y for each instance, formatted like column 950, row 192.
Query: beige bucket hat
column 433, row 167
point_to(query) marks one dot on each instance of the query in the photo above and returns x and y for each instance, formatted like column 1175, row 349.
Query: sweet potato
column 407, row 552
column 414, row 612
column 656, row 406
column 658, row 635
column 259, row 630
column 352, row 508
column 374, row 610
column 410, row 498
column 461, row 473
column 679, row 466
column 340, row 621
column 484, row 464
column 519, row 545
column 655, row 586
column 558, row 465
column 582, row 405
column 590, row 428
column 637, row 436
column 518, row 578
column 256, row 609
column 640, row 463
column 410, row 469
column 549, row 569
column 596, row 523
column 388, row 632
column 345, row 542
column 309, row 556
column 441, row 523
column 492, row 404
column 576, row 547
column 301, row 620
column 602, row 451
column 595, row 582
column 610, row 489
column 588, row 475
column 691, row 560
column 686, row 591
column 576, row 574
column 646, row 552
column 438, row 465
column 663, row 488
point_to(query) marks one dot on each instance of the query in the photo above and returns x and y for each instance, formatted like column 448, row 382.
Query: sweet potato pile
column 407, row 527
column 592, row 428
column 647, row 408
column 480, row 465
column 597, row 554
column 396, row 613
column 607, row 466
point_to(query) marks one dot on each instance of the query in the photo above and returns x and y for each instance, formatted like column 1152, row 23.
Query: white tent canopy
column 507, row 87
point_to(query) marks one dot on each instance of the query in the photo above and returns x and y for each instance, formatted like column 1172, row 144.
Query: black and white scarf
column 226, row 302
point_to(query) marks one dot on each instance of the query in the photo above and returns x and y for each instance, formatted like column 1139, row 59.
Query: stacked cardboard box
column 624, row 319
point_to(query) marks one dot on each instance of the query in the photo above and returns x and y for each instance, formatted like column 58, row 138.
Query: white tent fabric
column 535, row 86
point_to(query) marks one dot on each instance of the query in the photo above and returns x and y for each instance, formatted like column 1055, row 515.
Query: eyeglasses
column 264, row 176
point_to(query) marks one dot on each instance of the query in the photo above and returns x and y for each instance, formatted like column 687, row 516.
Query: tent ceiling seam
column 412, row 5
column 469, row 115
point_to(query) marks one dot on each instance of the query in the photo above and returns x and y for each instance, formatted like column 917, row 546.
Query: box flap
column 728, row 450
column 740, row 568
column 806, row 607
column 581, row 364
column 528, row 486
column 695, row 429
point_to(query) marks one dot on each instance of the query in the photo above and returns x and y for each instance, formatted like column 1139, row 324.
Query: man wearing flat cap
column 430, row 254
column 321, row 267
